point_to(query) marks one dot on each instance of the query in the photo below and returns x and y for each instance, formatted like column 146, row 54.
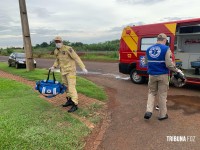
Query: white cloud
column 87, row 21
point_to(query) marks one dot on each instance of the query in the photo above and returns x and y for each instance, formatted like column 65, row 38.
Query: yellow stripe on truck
column 171, row 27
column 131, row 39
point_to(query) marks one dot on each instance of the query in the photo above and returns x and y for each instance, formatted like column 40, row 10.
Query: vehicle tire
column 135, row 78
column 16, row 65
column 9, row 65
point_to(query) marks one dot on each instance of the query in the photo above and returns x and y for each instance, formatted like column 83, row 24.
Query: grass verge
column 29, row 122
column 84, row 86
column 110, row 56
column 91, row 113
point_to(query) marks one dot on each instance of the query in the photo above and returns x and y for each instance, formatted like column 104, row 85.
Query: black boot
column 68, row 103
column 73, row 108
column 147, row 115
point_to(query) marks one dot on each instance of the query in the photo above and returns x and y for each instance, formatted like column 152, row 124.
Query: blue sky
column 87, row 21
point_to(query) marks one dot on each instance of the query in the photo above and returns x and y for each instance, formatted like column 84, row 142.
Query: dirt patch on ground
column 189, row 104
column 96, row 136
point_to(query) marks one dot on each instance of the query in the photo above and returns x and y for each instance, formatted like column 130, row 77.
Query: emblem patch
column 142, row 62
column 155, row 51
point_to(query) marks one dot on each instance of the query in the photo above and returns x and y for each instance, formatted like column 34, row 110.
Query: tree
column 44, row 44
column 66, row 43
column 37, row 45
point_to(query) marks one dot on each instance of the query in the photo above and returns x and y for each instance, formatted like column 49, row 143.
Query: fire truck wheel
column 135, row 78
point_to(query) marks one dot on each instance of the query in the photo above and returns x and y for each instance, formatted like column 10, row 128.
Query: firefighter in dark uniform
column 159, row 62
column 65, row 59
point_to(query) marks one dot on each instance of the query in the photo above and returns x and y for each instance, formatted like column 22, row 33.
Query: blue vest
column 156, row 59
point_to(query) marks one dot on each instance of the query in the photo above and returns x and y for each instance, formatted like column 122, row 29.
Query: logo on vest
column 142, row 62
column 154, row 52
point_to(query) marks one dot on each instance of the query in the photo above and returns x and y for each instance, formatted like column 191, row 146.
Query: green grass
column 45, row 53
column 112, row 56
column 84, row 86
column 109, row 56
column 28, row 122
column 90, row 89
column 90, row 112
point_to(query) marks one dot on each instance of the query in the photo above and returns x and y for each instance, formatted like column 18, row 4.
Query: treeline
column 7, row 51
column 79, row 46
column 40, row 50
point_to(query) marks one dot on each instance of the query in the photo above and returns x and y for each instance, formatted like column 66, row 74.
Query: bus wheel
column 135, row 78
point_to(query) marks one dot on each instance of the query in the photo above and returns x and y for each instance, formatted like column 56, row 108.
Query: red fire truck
column 184, row 41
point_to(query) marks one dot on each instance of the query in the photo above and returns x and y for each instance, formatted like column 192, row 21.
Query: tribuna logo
column 181, row 138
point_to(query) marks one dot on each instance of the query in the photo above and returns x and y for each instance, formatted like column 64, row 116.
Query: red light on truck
column 128, row 31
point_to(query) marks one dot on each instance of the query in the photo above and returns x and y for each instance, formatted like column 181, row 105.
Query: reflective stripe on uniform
column 156, row 61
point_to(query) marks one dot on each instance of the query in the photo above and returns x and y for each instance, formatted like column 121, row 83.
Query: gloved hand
column 52, row 68
column 179, row 71
column 85, row 71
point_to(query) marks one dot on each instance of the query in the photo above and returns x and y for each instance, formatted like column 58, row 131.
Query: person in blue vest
column 159, row 63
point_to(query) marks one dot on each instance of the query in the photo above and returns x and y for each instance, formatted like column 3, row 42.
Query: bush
column 6, row 52
column 9, row 51
column 114, row 54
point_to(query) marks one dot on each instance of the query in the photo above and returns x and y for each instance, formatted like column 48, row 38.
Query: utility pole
column 26, row 36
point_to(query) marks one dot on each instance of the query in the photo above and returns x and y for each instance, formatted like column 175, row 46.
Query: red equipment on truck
column 184, row 41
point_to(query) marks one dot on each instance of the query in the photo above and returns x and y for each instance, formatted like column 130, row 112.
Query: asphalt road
column 127, row 128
